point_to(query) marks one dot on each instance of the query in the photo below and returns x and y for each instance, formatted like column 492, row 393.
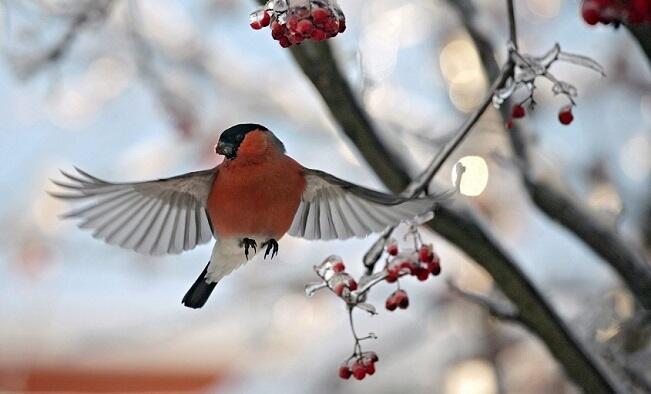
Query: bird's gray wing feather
column 165, row 216
column 332, row 208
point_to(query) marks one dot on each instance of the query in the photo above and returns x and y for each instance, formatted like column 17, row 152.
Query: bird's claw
column 272, row 247
column 249, row 243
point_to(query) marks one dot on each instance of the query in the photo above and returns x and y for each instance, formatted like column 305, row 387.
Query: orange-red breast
column 248, row 202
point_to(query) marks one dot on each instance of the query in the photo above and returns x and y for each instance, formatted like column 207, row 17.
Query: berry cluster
column 419, row 264
column 565, row 115
column 420, row 261
column 397, row 299
column 294, row 21
column 528, row 69
column 359, row 366
column 633, row 12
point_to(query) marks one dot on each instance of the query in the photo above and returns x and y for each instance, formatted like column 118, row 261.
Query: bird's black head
column 231, row 138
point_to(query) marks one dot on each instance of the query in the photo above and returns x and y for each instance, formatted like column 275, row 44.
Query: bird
column 247, row 203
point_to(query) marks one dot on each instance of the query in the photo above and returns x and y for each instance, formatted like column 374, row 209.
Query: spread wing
column 332, row 208
column 165, row 216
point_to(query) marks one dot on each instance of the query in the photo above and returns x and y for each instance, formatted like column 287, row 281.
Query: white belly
column 228, row 255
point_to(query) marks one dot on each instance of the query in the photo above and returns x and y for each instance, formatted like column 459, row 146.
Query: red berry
column 434, row 268
column 422, row 274
column 339, row 288
column 359, row 371
column 320, row 15
column 369, row 369
column 401, row 299
column 590, row 12
column 392, row 249
column 391, row 303
column 318, row 35
column 352, row 285
column 277, row 30
column 344, row 372
column 266, row 19
column 284, row 42
column 295, row 38
column 517, row 112
column 392, row 274
column 256, row 25
column 331, row 26
column 292, row 23
column 305, row 27
column 565, row 115
column 425, row 254
column 339, row 266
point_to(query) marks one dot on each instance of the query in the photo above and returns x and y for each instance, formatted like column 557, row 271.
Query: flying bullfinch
column 247, row 203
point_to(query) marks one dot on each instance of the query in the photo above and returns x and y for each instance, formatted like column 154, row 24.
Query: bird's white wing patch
column 332, row 208
column 165, row 216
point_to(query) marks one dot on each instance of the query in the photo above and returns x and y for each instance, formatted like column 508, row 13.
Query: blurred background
column 134, row 90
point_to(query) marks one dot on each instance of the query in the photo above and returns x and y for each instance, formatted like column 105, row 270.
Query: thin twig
column 421, row 182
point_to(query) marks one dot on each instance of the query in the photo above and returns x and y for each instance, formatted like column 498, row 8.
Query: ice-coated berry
column 422, row 274
column 434, row 268
column 342, row 26
column 352, row 285
column 392, row 277
column 331, row 27
column 391, row 303
column 266, row 19
column 318, row 35
column 320, row 15
column 359, row 371
column 392, row 249
column 295, row 38
column 305, row 27
column 284, row 42
column 590, row 13
column 425, row 254
column 345, row 372
column 338, row 266
column 565, row 115
column 277, row 30
column 401, row 298
column 517, row 112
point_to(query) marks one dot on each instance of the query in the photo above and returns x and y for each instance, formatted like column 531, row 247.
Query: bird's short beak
column 226, row 149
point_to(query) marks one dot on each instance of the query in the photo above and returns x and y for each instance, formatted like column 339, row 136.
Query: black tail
column 199, row 292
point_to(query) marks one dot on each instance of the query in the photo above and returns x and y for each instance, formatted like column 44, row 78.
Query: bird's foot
column 272, row 247
column 248, row 243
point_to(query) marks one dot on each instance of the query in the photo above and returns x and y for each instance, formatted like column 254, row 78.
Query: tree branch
column 458, row 224
column 629, row 264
